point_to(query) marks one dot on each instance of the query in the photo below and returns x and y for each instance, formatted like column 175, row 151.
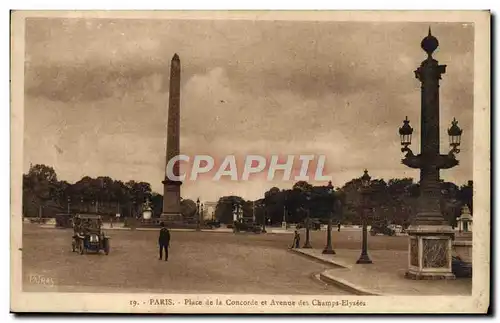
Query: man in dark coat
column 296, row 240
column 164, row 241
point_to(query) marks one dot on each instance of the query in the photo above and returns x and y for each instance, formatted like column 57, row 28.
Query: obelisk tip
column 176, row 57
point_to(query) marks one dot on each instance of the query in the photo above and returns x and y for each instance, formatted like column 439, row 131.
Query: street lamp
column 131, row 207
column 430, row 235
column 455, row 134
column 283, row 224
column 198, row 214
column 202, row 213
column 264, row 217
column 405, row 133
column 328, row 248
column 307, row 244
column 365, row 190
column 264, row 222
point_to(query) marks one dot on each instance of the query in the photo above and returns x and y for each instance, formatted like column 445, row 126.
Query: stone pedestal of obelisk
column 171, row 186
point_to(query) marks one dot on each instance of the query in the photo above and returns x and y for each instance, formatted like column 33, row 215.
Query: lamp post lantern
column 430, row 236
column 328, row 247
column 455, row 135
column 365, row 191
column 198, row 228
column 307, row 244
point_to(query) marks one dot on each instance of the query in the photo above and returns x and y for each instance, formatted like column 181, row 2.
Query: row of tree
column 394, row 200
column 45, row 195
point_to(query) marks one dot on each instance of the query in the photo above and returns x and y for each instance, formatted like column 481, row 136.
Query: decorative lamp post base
column 307, row 244
column 364, row 259
column 429, row 256
column 328, row 251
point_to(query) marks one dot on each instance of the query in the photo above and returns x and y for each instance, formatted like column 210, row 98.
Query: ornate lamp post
column 307, row 244
column 198, row 228
column 202, row 214
column 328, row 248
column 365, row 191
column 264, row 222
column 82, row 205
column 266, row 203
column 283, row 224
column 431, row 236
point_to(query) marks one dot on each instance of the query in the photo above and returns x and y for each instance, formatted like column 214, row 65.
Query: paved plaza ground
column 222, row 262
column 200, row 262
column 385, row 276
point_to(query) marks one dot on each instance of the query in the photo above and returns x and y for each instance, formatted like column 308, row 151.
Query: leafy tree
column 395, row 200
column 157, row 203
column 260, row 210
column 229, row 204
column 42, row 180
column 188, row 208
column 41, row 183
column 293, row 204
column 302, row 186
column 224, row 209
column 466, row 194
column 273, row 203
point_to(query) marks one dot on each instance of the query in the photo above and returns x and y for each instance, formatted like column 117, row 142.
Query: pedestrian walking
column 164, row 241
column 338, row 226
column 296, row 240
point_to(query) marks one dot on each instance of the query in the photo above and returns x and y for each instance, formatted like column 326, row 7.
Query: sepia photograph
column 250, row 162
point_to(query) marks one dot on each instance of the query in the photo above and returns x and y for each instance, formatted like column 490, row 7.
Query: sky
column 96, row 96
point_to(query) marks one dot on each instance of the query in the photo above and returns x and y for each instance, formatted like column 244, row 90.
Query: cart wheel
column 106, row 247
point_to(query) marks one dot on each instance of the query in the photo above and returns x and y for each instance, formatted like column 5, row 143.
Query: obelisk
column 171, row 187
